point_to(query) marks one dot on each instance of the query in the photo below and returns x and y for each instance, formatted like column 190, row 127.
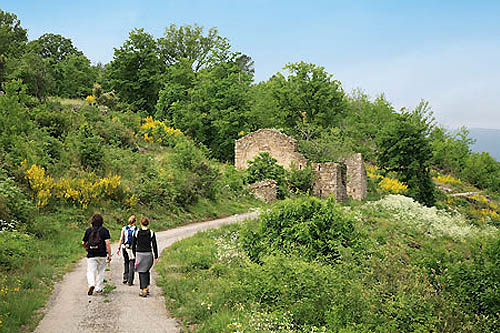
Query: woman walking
column 125, row 247
column 143, row 246
column 96, row 242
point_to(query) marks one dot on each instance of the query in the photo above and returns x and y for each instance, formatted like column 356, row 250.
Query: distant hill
column 487, row 140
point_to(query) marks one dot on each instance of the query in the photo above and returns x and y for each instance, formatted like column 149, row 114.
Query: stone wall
column 356, row 177
column 278, row 145
column 329, row 180
column 265, row 190
column 346, row 178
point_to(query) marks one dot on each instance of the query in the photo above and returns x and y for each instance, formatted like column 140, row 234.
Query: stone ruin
column 265, row 190
column 342, row 179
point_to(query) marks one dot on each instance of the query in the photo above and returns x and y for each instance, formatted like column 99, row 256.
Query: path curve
column 122, row 310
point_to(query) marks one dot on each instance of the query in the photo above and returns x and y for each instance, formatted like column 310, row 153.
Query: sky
column 446, row 52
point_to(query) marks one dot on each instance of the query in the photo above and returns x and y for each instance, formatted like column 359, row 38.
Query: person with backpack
column 143, row 247
column 125, row 247
column 97, row 243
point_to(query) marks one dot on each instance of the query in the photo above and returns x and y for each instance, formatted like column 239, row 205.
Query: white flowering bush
column 228, row 248
column 261, row 321
column 429, row 220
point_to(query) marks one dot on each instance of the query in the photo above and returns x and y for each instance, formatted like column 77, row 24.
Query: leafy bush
column 15, row 247
column 233, row 180
column 14, row 203
column 483, row 171
column 309, row 227
column 300, row 180
column 89, row 147
column 115, row 133
column 290, row 284
column 474, row 283
column 156, row 131
column 203, row 179
column 52, row 117
column 264, row 167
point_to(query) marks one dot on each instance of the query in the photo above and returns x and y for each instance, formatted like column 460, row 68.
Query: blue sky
column 446, row 52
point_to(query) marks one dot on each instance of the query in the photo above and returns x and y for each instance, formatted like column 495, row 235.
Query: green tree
column 323, row 144
column 245, row 63
column 35, row 72
column 308, row 94
column 189, row 42
column 450, row 150
column 75, row 77
column 13, row 39
column 264, row 107
column 215, row 110
column 404, row 148
column 177, row 82
column 134, row 72
column 364, row 120
column 55, row 47
column 483, row 171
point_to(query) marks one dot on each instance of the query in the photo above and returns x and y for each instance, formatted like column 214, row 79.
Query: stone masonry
column 346, row 178
column 279, row 146
column 329, row 180
column 356, row 177
column 265, row 190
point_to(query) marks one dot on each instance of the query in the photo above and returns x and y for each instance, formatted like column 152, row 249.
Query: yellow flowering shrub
column 372, row 172
column 392, row 185
column 482, row 200
column 156, row 131
column 41, row 185
column 447, row 179
column 132, row 200
column 484, row 213
column 479, row 198
column 81, row 191
column 90, row 99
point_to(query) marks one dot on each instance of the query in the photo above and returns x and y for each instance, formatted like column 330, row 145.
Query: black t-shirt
column 104, row 233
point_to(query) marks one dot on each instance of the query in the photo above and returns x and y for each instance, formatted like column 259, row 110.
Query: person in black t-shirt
column 143, row 246
column 97, row 243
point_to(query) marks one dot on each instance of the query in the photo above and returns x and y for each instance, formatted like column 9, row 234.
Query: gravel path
column 121, row 310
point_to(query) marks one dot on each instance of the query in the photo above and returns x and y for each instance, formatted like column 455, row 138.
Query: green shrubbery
column 295, row 181
column 308, row 227
column 308, row 266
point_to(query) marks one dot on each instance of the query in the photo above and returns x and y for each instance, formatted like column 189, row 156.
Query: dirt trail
column 121, row 310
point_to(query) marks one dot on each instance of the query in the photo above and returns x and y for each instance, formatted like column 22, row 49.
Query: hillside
column 487, row 140
column 152, row 133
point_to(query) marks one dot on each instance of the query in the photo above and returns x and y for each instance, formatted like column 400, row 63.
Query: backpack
column 95, row 243
column 129, row 236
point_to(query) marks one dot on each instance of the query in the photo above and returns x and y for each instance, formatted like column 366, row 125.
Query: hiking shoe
column 143, row 293
column 91, row 290
column 125, row 281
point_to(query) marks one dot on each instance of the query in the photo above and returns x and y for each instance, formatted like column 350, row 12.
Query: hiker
column 143, row 246
column 96, row 242
column 125, row 247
